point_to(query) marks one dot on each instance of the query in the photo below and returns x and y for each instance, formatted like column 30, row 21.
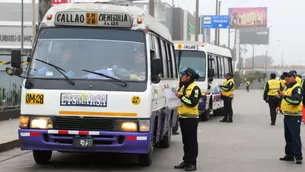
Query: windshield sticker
column 91, row 100
column 135, row 100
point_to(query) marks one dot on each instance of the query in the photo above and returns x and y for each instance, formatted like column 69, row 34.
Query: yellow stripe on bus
column 87, row 113
column 8, row 62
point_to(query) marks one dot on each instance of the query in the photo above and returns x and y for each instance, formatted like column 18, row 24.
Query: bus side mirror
column 211, row 73
column 156, row 67
column 16, row 58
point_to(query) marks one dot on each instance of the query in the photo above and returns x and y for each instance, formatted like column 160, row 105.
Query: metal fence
column 10, row 91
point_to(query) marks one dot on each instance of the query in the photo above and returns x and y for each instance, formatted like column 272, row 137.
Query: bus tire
column 146, row 159
column 166, row 140
column 42, row 157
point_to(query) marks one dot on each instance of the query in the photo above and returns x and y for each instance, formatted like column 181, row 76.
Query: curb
column 9, row 114
column 9, row 145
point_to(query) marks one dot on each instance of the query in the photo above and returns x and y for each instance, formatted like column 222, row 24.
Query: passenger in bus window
column 66, row 64
column 133, row 71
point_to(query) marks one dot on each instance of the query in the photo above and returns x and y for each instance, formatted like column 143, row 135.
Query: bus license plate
column 83, row 142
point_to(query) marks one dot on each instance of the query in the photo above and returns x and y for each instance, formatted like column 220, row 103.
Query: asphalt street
column 249, row 144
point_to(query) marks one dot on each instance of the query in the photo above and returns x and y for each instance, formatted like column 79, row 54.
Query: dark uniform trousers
column 188, row 128
column 227, row 101
column 292, row 126
column 273, row 102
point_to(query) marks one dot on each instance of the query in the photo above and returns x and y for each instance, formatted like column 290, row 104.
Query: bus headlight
column 41, row 123
column 144, row 125
column 129, row 126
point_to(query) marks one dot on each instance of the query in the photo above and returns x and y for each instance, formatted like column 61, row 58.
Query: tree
column 237, row 79
column 255, row 76
column 259, row 61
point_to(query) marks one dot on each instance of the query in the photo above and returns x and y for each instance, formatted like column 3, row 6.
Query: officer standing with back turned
column 189, row 117
column 271, row 96
column 291, row 107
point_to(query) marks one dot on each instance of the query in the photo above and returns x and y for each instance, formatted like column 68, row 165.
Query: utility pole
column 253, row 58
column 197, row 21
column 217, row 2
column 33, row 20
column 22, row 26
column 218, row 30
column 266, row 63
column 152, row 7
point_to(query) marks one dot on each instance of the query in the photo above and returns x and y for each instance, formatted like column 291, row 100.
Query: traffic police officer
column 189, row 117
column 227, row 91
column 291, row 106
column 271, row 96
column 298, row 79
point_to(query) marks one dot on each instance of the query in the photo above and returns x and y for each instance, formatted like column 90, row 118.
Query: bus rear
column 193, row 55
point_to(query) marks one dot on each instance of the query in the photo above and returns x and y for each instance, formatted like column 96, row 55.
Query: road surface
column 249, row 144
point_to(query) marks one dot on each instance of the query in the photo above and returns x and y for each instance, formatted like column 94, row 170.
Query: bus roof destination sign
column 74, row 18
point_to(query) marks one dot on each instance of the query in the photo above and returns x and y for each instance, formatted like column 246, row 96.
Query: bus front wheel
column 146, row 159
column 42, row 157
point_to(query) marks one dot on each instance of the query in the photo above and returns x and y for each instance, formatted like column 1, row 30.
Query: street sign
column 56, row 2
column 216, row 22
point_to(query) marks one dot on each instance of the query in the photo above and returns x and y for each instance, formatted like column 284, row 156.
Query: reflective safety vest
column 274, row 86
column 289, row 109
column 299, row 80
column 185, row 111
column 230, row 92
column 247, row 83
column 283, row 83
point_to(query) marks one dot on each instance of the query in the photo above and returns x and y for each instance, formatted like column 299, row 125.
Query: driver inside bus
column 136, row 70
column 66, row 64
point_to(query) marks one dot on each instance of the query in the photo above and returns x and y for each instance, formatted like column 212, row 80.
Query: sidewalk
column 9, row 134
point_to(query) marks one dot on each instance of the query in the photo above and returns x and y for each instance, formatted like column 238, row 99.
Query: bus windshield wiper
column 101, row 74
column 60, row 70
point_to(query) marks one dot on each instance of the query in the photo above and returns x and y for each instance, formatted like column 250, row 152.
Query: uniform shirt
column 227, row 87
column 193, row 100
column 266, row 90
column 296, row 96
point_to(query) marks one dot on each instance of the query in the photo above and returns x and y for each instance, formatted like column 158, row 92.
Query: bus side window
column 159, row 54
column 212, row 65
column 153, row 54
column 174, row 61
column 226, row 64
column 163, row 57
column 220, row 67
column 169, row 61
column 230, row 64
column 217, row 74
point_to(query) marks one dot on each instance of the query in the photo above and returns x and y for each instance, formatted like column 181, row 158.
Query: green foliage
column 237, row 79
column 255, row 76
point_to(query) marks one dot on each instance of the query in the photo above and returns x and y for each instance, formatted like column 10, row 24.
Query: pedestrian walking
column 271, row 96
column 291, row 106
column 227, row 93
column 189, row 117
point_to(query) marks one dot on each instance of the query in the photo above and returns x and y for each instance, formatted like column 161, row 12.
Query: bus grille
column 84, row 123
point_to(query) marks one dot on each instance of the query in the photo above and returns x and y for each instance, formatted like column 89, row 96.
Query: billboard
column 254, row 36
column 248, row 17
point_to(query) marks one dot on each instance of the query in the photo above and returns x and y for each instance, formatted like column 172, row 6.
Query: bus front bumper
column 62, row 141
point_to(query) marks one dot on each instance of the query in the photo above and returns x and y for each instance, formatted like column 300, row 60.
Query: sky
column 284, row 18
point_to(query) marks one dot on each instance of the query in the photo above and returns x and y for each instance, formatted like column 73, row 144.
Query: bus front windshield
column 116, row 53
column 193, row 59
